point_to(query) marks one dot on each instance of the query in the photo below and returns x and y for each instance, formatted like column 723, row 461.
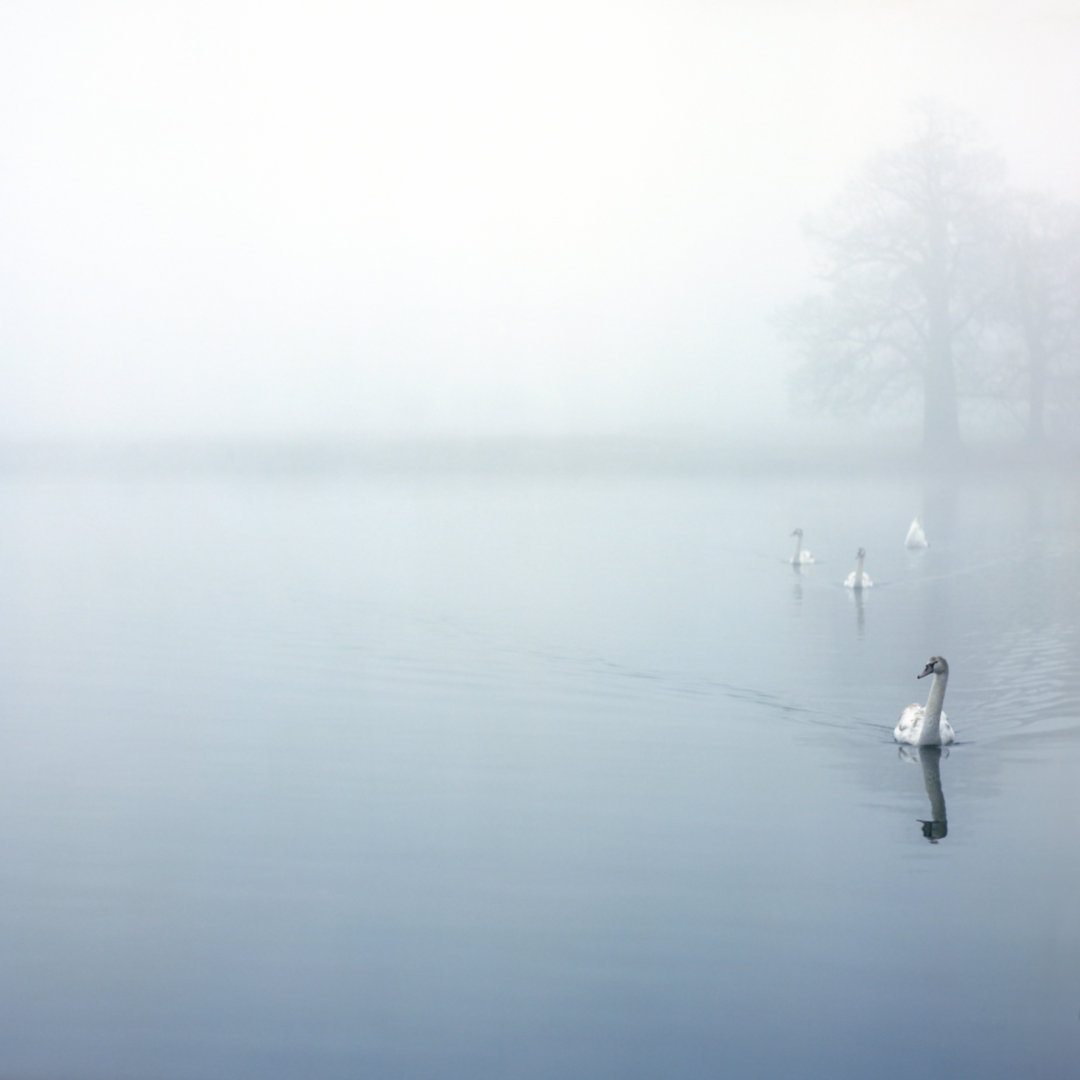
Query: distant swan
column 858, row 578
column 916, row 538
column 927, row 725
column 800, row 558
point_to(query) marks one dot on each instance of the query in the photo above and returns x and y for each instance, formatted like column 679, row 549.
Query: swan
column 916, row 538
column 858, row 578
column 927, row 725
column 800, row 558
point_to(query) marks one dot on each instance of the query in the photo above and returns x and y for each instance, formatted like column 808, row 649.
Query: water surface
column 343, row 774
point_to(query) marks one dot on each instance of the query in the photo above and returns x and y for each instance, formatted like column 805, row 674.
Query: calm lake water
column 339, row 774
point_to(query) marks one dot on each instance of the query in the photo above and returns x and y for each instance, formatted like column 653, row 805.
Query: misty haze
column 480, row 486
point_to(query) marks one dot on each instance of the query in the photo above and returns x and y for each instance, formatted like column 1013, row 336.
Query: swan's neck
column 934, row 703
column 798, row 548
column 858, row 571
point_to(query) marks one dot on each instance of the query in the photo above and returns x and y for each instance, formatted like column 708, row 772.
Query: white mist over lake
column 343, row 220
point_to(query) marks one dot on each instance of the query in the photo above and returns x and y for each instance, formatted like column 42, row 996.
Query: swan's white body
column 800, row 558
column 927, row 725
column 916, row 538
column 858, row 578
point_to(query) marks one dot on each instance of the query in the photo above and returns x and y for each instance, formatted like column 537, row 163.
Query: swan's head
column 797, row 532
column 934, row 830
column 936, row 665
column 861, row 553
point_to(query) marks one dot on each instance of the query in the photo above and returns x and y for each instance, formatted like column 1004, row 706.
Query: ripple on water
column 1031, row 681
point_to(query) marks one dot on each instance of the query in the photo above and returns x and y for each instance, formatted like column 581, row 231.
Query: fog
column 232, row 220
column 405, row 667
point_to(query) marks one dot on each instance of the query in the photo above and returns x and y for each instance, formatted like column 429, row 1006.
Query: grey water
column 340, row 773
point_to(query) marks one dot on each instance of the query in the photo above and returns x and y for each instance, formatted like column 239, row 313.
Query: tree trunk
column 1036, row 430
column 941, row 419
column 1033, row 344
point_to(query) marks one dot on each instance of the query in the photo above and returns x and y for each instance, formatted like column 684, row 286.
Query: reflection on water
column 860, row 615
column 797, row 570
column 522, row 776
column 929, row 757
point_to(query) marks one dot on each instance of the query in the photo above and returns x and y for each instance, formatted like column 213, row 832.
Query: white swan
column 916, row 538
column 858, row 578
column 800, row 558
column 927, row 725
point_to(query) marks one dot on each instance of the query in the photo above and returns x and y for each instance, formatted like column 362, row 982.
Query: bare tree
column 905, row 281
column 1033, row 352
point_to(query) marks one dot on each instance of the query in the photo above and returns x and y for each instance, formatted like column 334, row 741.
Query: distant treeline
column 943, row 289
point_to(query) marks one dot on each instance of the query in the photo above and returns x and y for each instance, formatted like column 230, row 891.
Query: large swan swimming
column 858, row 578
column 916, row 538
column 927, row 725
column 800, row 558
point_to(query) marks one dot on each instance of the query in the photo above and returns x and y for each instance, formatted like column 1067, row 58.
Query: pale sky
column 284, row 218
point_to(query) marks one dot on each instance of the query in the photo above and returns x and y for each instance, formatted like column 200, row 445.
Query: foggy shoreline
column 522, row 455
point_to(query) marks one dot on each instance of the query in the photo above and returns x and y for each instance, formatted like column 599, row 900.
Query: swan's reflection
column 860, row 617
column 937, row 828
column 796, row 569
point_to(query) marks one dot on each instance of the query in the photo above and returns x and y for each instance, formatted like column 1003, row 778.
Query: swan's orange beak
column 928, row 670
